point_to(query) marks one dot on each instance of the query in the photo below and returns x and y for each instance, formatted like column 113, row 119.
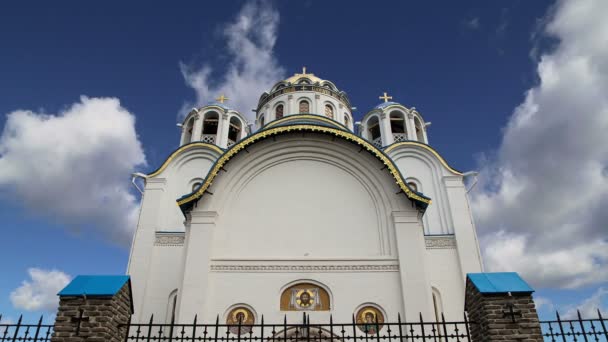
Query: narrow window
column 279, row 111
column 262, row 121
column 304, row 107
column 346, row 121
column 329, row 111
column 234, row 131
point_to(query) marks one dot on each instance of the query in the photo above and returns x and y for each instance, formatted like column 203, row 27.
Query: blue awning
column 499, row 282
column 97, row 285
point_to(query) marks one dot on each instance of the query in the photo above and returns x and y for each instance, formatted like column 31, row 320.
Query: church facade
column 311, row 212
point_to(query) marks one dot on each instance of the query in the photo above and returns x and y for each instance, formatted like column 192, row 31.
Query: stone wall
column 99, row 318
column 491, row 314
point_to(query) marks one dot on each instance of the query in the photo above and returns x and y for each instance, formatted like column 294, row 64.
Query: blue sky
column 466, row 67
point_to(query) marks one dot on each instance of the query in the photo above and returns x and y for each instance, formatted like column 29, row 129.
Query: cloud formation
column 541, row 204
column 252, row 67
column 39, row 293
column 588, row 308
column 74, row 166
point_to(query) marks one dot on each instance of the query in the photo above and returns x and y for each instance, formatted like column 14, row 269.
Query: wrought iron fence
column 577, row 329
column 305, row 331
column 13, row 332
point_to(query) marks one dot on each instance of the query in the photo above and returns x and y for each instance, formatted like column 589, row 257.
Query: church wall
column 184, row 171
column 429, row 174
column 283, row 201
column 291, row 204
column 149, row 265
column 445, row 276
column 262, row 290
column 164, row 277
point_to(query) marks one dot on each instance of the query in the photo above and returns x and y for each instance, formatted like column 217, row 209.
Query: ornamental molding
column 440, row 242
column 169, row 239
column 305, row 268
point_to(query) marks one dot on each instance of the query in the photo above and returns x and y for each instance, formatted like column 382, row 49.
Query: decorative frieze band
column 440, row 242
column 305, row 268
column 169, row 239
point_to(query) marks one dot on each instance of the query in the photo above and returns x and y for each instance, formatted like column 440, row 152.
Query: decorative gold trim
column 428, row 148
column 180, row 150
column 394, row 171
column 305, row 116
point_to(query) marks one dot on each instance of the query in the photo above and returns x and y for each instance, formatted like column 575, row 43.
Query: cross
column 78, row 320
column 385, row 97
column 222, row 98
column 511, row 312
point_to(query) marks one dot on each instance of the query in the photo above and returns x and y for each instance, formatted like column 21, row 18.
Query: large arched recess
column 304, row 195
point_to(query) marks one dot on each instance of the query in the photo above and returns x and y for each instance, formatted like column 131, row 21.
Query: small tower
column 391, row 122
column 215, row 123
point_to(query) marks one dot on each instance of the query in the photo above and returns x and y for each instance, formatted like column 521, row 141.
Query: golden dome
column 311, row 77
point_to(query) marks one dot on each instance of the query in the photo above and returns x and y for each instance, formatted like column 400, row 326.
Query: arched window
column 418, row 127
column 262, row 121
column 304, row 107
column 188, row 131
column 373, row 131
column 305, row 296
column 413, row 186
column 234, row 130
column 437, row 305
column 398, row 126
column 210, row 127
column 346, row 121
column 195, row 186
column 171, row 306
column 329, row 111
column 279, row 111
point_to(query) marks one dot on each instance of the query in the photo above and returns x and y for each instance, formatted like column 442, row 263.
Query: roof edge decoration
column 179, row 151
column 297, row 117
column 187, row 201
column 442, row 160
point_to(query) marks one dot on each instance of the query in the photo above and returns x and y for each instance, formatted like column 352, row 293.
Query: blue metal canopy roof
column 500, row 282
column 100, row 285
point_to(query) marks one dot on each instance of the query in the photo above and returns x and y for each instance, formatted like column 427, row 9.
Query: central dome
column 304, row 93
column 294, row 79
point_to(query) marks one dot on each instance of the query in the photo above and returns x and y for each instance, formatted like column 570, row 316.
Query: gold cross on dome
column 385, row 97
column 223, row 98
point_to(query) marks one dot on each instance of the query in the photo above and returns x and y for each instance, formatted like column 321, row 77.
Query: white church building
column 310, row 211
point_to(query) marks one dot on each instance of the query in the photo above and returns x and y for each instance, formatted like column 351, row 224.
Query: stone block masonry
column 501, row 316
column 93, row 318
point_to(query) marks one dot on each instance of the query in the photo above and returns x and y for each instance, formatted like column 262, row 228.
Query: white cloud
column 74, row 166
column 472, row 23
column 252, row 67
column 588, row 308
column 541, row 203
column 39, row 293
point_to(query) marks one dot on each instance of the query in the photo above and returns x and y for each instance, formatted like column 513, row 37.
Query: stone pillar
column 197, row 130
column 411, row 248
column 385, row 129
column 501, row 308
column 462, row 222
column 199, row 239
column 411, row 127
column 93, row 308
column 150, row 219
column 290, row 109
column 221, row 137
